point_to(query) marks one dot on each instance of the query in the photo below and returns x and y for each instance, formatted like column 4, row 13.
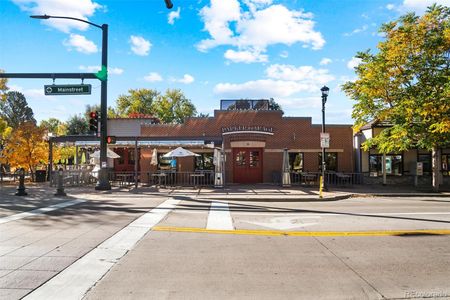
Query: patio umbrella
column 154, row 160
column 83, row 158
column 180, row 152
column 286, row 177
column 109, row 154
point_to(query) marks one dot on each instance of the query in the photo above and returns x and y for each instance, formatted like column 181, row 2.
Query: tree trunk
column 436, row 165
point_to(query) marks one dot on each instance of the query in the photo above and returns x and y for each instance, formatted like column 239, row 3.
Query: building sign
column 419, row 169
column 247, row 129
column 67, row 89
column 324, row 140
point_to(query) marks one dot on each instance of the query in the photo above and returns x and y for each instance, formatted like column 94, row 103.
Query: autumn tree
column 407, row 84
column 173, row 107
column 26, row 147
column 3, row 87
column 15, row 110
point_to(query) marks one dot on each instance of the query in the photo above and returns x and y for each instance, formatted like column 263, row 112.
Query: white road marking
column 219, row 217
column 39, row 211
column 75, row 281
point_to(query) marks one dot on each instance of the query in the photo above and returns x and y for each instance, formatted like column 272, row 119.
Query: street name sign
column 67, row 89
column 324, row 140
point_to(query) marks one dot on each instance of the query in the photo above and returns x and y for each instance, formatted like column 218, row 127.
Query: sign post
column 67, row 89
column 324, row 140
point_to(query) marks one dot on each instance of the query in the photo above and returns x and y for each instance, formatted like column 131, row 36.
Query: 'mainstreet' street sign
column 67, row 89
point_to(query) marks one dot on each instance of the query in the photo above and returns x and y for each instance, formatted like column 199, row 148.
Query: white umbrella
column 154, row 160
column 109, row 154
column 180, row 152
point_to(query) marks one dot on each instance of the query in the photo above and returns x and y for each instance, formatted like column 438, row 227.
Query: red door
column 247, row 165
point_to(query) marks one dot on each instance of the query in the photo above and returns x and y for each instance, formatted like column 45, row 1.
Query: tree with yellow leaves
column 26, row 147
column 407, row 84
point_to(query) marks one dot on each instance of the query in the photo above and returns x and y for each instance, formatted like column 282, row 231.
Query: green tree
column 407, row 84
column 54, row 126
column 138, row 101
column 173, row 107
column 273, row 105
column 15, row 110
column 77, row 125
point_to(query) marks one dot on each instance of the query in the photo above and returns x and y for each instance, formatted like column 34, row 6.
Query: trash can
column 41, row 176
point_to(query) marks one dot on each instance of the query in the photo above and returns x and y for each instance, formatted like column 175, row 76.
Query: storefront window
column 121, row 153
column 425, row 159
column 296, row 162
column 204, row 161
column 131, row 158
column 240, row 159
column 254, row 159
column 330, row 161
column 394, row 165
column 164, row 163
column 445, row 160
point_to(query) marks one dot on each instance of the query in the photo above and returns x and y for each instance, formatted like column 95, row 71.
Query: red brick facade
column 265, row 130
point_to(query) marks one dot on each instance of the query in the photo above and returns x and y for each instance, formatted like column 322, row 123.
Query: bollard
column 21, row 188
column 60, row 184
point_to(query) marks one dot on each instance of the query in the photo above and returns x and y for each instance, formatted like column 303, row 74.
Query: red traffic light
column 93, row 114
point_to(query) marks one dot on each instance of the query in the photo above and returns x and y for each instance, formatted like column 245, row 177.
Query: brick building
column 252, row 140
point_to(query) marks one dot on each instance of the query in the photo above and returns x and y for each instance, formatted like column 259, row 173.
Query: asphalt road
column 126, row 246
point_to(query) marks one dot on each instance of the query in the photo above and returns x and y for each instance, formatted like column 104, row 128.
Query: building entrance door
column 247, row 165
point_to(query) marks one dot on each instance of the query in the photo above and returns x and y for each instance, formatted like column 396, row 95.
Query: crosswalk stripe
column 78, row 278
column 39, row 211
column 219, row 217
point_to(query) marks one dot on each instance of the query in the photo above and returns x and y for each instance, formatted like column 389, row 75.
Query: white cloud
column 390, row 6
column 173, row 15
column 139, row 45
column 80, row 44
column 325, row 61
column 253, row 30
column 153, row 77
column 284, row 54
column 263, row 88
column 283, row 81
column 81, row 9
column 93, row 69
column 420, row 6
column 353, row 63
column 187, row 79
column 245, row 56
column 306, row 74
column 357, row 30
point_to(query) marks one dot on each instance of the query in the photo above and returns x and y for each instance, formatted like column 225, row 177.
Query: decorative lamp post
column 325, row 90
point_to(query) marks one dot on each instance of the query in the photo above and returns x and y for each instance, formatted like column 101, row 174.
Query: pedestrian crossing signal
column 111, row 139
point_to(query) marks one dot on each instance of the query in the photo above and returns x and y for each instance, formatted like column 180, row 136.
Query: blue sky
column 211, row 50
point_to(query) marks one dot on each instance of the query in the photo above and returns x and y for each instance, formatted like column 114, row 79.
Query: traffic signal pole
column 103, row 176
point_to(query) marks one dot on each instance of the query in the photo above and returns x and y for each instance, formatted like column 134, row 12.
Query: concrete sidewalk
column 39, row 193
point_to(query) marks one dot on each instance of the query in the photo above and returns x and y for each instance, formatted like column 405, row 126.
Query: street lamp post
column 325, row 91
column 103, row 181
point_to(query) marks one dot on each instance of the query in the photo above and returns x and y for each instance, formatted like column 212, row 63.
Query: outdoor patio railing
column 169, row 178
column 331, row 178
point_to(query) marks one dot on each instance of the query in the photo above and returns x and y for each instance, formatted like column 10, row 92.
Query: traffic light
column 93, row 121
column 110, row 139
